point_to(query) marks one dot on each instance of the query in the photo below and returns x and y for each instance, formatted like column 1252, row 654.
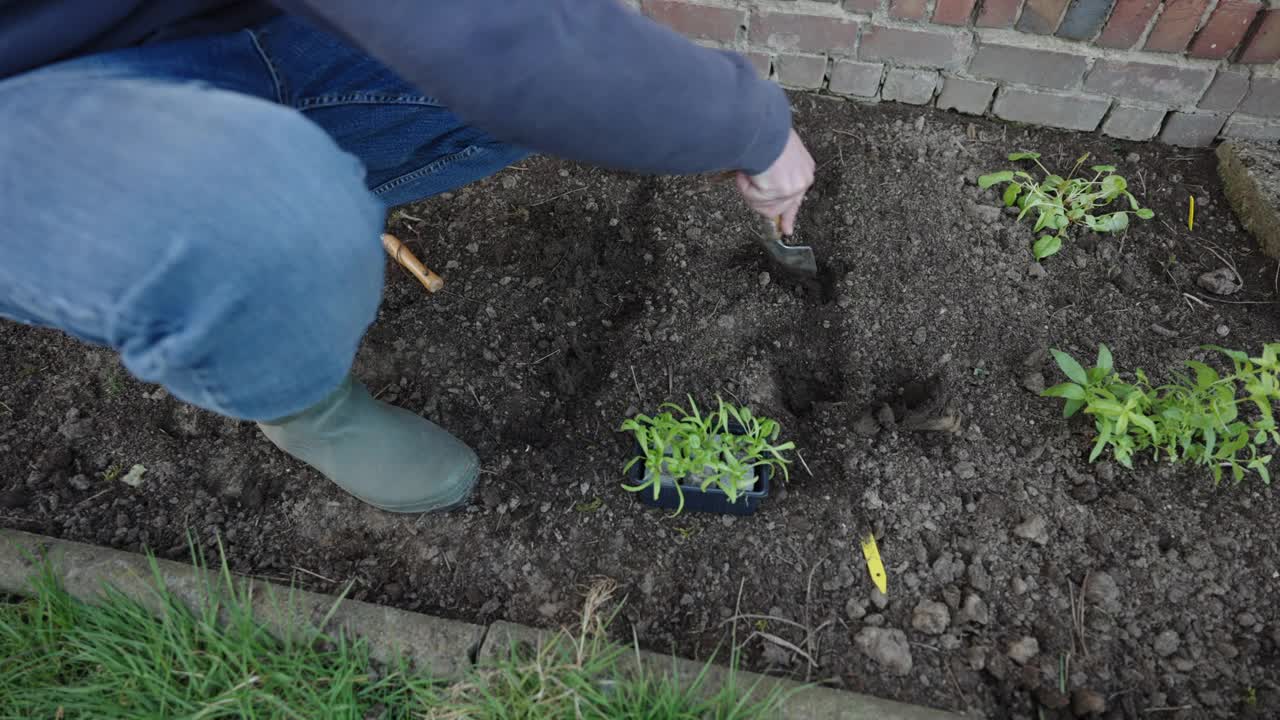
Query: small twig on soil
column 1189, row 298
column 636, row 382
column 8, row 410
column 315, row 575
column 1225, row 260
column 383, row 390
column 474, row 395
column 557, row 197
column 96, row 495
column 846, row 132
column 805, row 464
column 785, row 645
column 670, row 384
column 771, row 618
column 951, row 674
column 1240, row 302
column 544, row 357
column 406, row 216
column 1169, row 708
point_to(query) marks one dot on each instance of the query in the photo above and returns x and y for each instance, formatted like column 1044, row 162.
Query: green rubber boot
column 384, row 455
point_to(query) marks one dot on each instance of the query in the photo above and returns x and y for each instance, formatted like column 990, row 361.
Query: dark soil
column 578, row 296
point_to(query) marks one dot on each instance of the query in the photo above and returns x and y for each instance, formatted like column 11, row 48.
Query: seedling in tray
column 722, row 459
column 1062, row 202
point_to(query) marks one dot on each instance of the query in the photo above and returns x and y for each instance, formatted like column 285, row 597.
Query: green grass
column 62, row 658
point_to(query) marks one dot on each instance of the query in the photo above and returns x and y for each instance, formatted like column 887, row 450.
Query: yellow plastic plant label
column 874, row 564
column 1191, row 214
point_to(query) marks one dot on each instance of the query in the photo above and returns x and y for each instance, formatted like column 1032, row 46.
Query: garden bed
column 578, row 297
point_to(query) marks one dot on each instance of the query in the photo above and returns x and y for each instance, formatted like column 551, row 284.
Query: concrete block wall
column 1186, row 71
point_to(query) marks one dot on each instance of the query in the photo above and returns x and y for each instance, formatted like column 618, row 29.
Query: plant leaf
column 1104, row 358
column 1046, row 246
column 1145, row 213
column 1071, row 408
column 1104, row 169
column 995, row 178
column 1110, row 223
column 1011, row 194
column 1014, row 157
column 1070, row 391
column 1070, row 367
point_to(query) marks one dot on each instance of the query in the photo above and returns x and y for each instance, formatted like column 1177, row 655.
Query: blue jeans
column 211, row 208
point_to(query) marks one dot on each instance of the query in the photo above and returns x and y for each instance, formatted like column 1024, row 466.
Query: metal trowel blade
column 798, row 260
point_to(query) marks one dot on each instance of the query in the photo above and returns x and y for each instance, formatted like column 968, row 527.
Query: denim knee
column 228, row 249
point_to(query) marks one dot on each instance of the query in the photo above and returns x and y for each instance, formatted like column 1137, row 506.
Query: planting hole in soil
column 1018, row 572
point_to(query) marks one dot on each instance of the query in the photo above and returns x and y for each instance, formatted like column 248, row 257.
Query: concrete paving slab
column 1250, row 174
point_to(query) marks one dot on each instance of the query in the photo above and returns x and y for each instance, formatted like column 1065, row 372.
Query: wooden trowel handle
column 403, row 255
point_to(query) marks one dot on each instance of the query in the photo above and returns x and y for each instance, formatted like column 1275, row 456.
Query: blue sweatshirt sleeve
column 587, row 80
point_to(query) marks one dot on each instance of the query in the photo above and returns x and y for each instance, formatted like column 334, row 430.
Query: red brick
column 698, row 21
column 953, row 12
column 908, row 9
column 1128, row 20
column 806, row 33
column 1176, row 25
column 1225, row 29
column 1041, row 16
column 918, row 48
column 1264, row 45
column 998, row 13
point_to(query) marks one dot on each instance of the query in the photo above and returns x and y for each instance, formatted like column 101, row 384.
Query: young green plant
column 1195, row 419
column 723, row 447
column 1062, row 202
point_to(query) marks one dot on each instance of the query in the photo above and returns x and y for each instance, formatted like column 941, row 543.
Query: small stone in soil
column 1222, row 281
column 1085, row 702
column 80, row 482
column 965, row 470
column 1034, row 381
column 1166, row 643
column 866, row 426
column 879, row 599
column 1035, row 529
column 974, row 610
column 1021, row 651
column 765, row 279
column 1085, row 492
column 1102, row 590
column 887, row 646
column 931, row 617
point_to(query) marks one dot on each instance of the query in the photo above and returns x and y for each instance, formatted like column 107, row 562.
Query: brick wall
column 1186, row 71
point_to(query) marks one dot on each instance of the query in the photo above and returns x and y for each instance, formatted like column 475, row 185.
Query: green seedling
column 688, row 445
column 1196, row 419
column 1063, row 202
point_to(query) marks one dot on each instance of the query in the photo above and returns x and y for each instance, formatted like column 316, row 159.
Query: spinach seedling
column 1062, row 202
column 1195, row 419
column 722, row 447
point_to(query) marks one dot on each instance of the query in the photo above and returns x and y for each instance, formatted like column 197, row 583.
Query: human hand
column 778, row 191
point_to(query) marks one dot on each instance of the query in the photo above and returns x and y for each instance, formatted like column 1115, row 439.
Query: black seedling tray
column 712, row 500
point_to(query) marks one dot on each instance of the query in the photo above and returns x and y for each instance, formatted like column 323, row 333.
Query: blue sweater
column 588, row 80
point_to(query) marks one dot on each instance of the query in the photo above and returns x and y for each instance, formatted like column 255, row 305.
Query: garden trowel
column 798, row 260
